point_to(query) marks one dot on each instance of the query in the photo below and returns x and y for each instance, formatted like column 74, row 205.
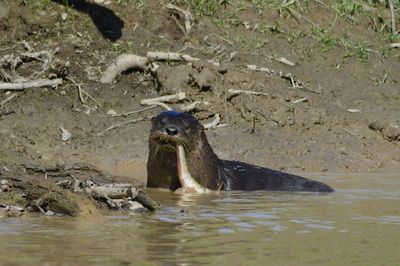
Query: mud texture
column 342, row 118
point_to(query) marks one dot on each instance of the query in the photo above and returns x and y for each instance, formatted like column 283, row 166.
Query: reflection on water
column 357, row 225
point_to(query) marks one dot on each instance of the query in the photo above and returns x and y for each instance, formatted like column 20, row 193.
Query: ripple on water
column 389, row 220
column 228, row 228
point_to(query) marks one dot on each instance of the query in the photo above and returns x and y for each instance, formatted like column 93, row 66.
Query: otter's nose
column 172, row 131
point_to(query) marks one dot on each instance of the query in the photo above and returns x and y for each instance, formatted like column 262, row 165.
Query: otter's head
column 172, row 128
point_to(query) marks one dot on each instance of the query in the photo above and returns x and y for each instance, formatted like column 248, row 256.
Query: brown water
column 357, row 225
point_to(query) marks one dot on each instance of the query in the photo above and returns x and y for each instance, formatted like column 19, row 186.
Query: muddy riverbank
column 337, row 111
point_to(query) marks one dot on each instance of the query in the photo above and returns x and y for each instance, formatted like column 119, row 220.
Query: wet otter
column 180, row 156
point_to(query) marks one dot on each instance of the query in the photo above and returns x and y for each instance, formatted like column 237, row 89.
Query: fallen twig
column 284, row 61
column 224, row 39
column 296, row 84
column 123, row 63
column 170, row 57
column 213, row 123
column 111, row 191
column 131, row 61
column 7, row 99
column 392, row 14
column 82, row 91
column 163, row 105
column 120, row 124
column 304, row 99
column 27, row 46
column 187, row 15
column 179, row 96
column 43, row 56
column 349, row 132
column 189, row 107
column 260, row 69
column 179, row 25
column 395, row 45
column 90, row 97
column 10, row 60
column 78, row 86
column 246, row 92
column 31, row 84
column 134, row 112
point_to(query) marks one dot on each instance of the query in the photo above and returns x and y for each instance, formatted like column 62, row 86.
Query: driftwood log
column 74, row 190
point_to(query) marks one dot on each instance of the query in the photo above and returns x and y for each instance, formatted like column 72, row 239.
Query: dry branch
column 246, row 92
column 213, row 123
column 304, row 99
column 119, row 125
column 27, row 46
column 158, row 56
column 7, row 99
column 179, row 96
column 123, row 63
column 260, row 69
column 131, row 61
column 296, row 84
column 190, row 107
column 187, row 15
column 163, row 105
column 133, row 112
column 78, row 86
column 284, row 61
column 110, row 191
column 31, row 84
column 392, row 14
column 10, row 60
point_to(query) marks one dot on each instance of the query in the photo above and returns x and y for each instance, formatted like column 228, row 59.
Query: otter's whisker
column 155, row 152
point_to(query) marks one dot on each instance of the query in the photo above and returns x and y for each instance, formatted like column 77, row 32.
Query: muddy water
column 357, row 225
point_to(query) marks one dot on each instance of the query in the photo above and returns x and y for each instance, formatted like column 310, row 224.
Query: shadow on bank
column 105, row 20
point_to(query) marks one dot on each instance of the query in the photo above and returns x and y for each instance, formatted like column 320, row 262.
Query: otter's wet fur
column 172, row 128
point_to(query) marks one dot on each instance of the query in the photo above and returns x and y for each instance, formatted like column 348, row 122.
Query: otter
column 181, row 157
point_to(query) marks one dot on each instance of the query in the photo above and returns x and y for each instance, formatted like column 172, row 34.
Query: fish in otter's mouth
column 188, row 183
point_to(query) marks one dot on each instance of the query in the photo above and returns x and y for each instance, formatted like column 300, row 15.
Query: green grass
column 42, row 4
column 380, row 80
column 201, row 7
column 123, row 47
column 348, row 8
column 329, row 42
column 205, row 7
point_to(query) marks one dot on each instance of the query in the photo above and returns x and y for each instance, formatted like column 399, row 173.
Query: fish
column 188, row 183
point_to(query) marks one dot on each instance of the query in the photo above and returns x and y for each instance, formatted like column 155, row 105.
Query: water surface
column 359, row 224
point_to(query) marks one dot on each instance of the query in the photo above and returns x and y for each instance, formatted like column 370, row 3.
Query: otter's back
column 244, row 176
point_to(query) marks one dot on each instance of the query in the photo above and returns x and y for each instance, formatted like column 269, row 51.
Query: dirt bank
column 339, row 113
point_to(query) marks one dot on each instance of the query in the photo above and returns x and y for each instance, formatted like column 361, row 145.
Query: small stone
column 64, row 16
column 111, row 112
column 65, row 135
